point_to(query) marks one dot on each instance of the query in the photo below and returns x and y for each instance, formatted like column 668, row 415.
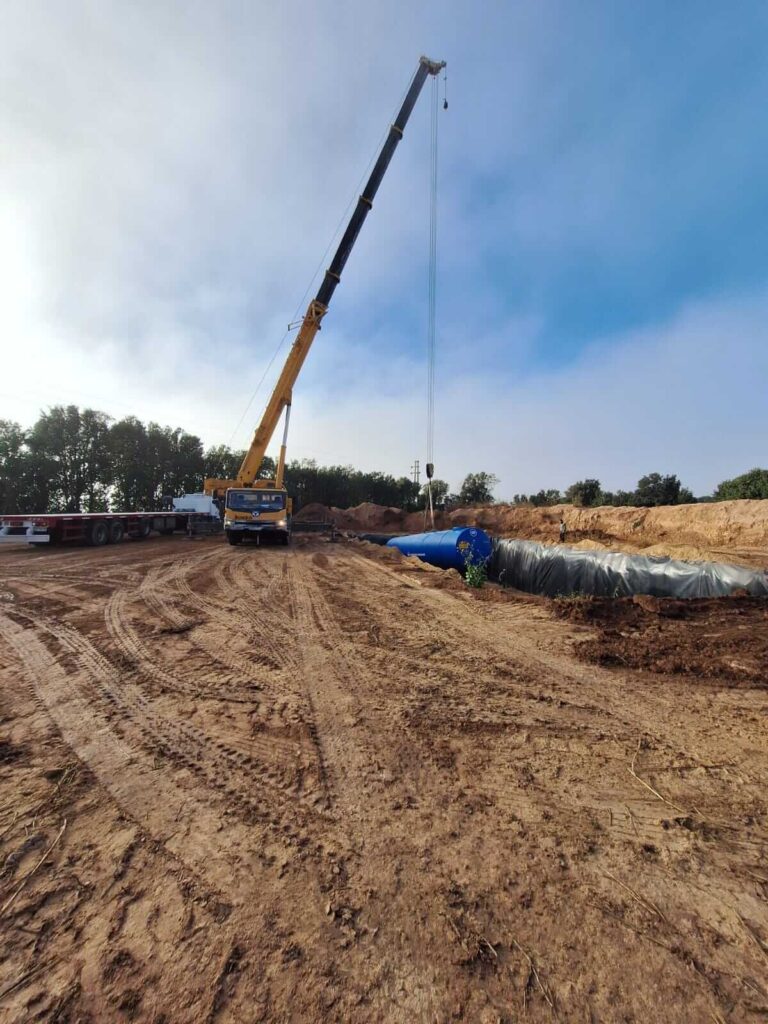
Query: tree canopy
column 81, row 460
column 477, row 488
column 584, row 493
column 76, row 460
column 653, row 489
column 753, row 484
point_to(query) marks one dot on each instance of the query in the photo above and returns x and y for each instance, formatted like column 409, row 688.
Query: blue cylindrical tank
column 447, row 549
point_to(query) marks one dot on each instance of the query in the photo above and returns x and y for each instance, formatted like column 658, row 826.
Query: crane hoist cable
column 429, row 511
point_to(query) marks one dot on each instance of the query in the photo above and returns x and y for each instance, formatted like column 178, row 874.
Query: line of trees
column 75, row 460
column 753, row 484
column 652, row 490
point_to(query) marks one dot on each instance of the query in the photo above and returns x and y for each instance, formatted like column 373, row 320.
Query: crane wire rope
column 429, row 510
column 334, row 240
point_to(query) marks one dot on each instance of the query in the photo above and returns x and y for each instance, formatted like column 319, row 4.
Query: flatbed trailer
column 93, row 528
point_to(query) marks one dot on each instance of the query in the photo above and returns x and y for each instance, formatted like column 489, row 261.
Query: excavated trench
column 551, row 570
column 557, row 571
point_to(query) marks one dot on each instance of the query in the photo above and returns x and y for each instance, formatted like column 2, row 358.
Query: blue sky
column 172, row 174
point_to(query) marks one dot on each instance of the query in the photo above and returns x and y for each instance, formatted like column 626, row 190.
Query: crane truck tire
column 116, row 532
column 234, row 538
column 97, row 534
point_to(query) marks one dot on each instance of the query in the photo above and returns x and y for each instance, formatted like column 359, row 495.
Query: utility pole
column 415, row 470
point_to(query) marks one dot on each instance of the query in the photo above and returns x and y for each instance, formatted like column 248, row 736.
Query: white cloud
column 171, row 175
column 686, row 397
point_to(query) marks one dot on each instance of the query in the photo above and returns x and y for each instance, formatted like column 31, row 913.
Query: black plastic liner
column 557, row 571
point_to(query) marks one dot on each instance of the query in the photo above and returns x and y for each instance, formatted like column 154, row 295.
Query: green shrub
column 475, row 572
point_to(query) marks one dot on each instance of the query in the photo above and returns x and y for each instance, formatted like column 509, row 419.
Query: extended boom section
column 248, row 514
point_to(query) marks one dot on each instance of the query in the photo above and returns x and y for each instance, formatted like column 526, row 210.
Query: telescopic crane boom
column 280, row 400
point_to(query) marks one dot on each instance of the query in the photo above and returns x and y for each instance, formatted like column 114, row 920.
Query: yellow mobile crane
column 252, row 506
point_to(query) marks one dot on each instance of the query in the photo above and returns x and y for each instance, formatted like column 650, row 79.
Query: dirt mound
column 449, row 579
column 366, row 517
column 369, row 516
column 707, row 529
column 314, row 513
column 709, row 639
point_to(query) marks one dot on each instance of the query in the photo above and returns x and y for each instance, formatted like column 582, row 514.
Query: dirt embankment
column 728, row 530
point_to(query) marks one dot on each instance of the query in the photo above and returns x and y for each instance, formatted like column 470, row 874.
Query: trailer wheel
column 143, row 530
column 97, row 534
column 116, row 531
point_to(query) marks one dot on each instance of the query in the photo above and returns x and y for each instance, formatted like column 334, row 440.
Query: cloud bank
column 172, row 174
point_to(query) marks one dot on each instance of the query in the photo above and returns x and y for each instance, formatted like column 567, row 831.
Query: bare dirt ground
column 324, row 784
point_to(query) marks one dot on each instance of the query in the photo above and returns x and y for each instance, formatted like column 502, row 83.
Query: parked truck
column 191, row 514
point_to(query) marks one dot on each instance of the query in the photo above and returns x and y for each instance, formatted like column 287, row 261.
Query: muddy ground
column 323, row 784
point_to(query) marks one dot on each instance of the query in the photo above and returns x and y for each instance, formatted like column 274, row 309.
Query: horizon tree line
column 74, row 460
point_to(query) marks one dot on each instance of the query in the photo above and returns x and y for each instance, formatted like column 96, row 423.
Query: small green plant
column 475, row 572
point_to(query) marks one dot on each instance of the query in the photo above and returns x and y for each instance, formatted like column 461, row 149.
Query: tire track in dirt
column 233, row 619
column 255, row 791
column 287, row 749
column 271, row 626
column 474, row 701
column 225, row 622
column 137, row 654
column 571, row 711
column 281, row 739
column 162, row 576
column 284, row 716
column 386, row 779
column 100, row 580
column 352, row 747
column 149, row 797
column 330, row 690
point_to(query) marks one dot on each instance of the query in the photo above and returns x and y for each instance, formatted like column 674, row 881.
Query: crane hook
column 445, row 90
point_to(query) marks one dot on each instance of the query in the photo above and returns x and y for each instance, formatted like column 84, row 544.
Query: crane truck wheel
column 116, row 532
column 286, row 539
column 234, row 538
column 98, row 534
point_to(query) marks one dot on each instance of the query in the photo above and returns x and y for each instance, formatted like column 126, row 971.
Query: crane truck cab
column 255, row 512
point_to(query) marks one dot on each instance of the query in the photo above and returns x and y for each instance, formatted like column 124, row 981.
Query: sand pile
column 713, row 525
column 314, row 513
column 367, row 517
column 376, row 518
